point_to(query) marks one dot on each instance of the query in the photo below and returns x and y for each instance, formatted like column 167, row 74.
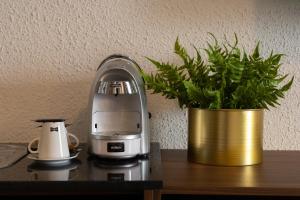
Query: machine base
column 118, row 149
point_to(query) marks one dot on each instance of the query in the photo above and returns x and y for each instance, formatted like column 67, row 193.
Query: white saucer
column 53, row 162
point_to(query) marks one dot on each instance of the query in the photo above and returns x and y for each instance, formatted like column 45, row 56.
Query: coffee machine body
column 119, row 123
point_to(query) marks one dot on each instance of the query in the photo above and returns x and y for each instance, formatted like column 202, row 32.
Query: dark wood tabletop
column 278, row 175
column 85, row 175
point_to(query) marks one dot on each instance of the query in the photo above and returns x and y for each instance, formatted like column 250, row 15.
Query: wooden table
column 278, row 175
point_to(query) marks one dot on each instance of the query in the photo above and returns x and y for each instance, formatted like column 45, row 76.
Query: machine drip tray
column 113, row 163
column 117, row 161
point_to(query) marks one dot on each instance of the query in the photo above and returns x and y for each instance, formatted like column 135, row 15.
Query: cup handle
column 30, row 144
column 75, row 138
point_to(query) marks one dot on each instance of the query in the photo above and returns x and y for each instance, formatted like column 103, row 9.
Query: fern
column 230, row 78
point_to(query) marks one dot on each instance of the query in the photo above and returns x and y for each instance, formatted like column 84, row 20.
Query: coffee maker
column 119, row 122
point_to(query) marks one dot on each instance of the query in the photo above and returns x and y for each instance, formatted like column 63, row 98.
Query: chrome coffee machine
column 119, row 123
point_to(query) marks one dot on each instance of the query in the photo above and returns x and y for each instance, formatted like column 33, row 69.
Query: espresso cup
column 53, row 142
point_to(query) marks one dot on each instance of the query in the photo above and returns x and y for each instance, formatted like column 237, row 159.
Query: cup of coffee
column 53, row 141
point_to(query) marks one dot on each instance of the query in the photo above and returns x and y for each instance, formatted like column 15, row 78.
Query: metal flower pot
column 226, row 137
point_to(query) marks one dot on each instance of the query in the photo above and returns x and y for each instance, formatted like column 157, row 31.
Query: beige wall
column 49, row 51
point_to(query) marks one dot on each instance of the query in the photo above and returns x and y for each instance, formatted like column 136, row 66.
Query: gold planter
column 227, row 137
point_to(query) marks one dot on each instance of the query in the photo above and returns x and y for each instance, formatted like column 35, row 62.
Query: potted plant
column 225, row 91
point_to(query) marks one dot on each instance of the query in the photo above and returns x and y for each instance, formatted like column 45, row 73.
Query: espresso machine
column 119, row 122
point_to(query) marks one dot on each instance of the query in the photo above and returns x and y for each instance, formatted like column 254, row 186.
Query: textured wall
column 49, row 51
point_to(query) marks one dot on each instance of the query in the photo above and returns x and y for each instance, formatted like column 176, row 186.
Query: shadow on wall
column 81, row 125
column 22, row 103
column 277, row 25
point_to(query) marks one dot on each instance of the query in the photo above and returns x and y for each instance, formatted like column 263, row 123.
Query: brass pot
column 227, row 137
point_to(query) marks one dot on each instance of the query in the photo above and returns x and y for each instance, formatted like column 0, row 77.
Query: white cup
column 53, row 141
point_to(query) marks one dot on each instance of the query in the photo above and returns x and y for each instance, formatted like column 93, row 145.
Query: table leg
column 152, row 195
